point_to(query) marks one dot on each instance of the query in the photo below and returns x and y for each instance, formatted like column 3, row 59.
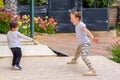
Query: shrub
column 24, row 24
column 116, row 54
column 118, row 30
column 99, row 3
column 37, row 2
column 5, row 19
column 1, row 4
column 40, row 25
column 115, row 50
column 25, row 29
column 45, row 26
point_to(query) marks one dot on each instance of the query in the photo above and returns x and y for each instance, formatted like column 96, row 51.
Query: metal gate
column 96, row 19
column 59, row 9
column 39, row 11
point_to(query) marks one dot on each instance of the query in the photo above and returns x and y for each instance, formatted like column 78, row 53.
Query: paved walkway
column 55, row 68
column 28, row 48
column 68, row 43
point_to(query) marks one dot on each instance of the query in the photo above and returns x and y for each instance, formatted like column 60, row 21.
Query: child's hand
column 33, row 40
column 96, row 40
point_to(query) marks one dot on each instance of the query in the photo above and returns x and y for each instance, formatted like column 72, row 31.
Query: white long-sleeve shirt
column 13, row 38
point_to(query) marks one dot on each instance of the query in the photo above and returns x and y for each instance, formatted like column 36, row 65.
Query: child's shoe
column 17, row 67
column 72, row 62
column 90, row 73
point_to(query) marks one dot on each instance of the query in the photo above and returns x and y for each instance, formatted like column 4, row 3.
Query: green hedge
column 5, row 19
column 37, row 2
column 99, row 3
column 1, row 4
column 116, row 54
column 86, row 3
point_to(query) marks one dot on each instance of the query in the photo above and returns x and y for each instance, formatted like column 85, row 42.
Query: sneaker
column 90, row 73
column 17, row 67
column 72, row 62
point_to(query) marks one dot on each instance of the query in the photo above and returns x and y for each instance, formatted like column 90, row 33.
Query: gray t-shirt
column 13, row 38
column 81, row 35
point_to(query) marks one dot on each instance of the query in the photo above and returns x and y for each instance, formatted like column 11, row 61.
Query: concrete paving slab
column 28, row 48
column 55, row 68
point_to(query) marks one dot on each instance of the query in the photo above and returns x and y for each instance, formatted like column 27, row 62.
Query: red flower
column 51, row 20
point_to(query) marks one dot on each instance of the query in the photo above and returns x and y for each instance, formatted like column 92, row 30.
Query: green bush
column 99, row 3
column 49, row 25
column 1, row 4
column 116, row 54
column 118, row 30
column 37, row 2
column 5, row 19
column 25, row 29
column 4, row 27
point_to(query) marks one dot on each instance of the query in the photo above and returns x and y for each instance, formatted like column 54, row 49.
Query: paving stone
column 28, row 48
column 55, row 68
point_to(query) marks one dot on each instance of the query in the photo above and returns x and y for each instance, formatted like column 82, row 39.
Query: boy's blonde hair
column 76, row 14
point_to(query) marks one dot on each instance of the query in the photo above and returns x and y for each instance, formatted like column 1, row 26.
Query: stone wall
column 113, row 16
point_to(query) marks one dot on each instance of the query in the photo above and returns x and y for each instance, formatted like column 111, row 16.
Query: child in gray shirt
column 13, row 39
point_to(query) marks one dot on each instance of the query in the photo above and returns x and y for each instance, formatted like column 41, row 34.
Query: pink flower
column 43, row 25
column 40, row 20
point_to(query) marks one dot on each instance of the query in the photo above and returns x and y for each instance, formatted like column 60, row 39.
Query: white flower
column 24, row 27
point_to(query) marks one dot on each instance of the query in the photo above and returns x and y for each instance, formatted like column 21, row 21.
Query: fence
column 96, row 19
column 39, row 11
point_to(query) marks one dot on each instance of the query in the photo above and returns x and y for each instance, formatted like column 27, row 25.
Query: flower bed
column 5, row 19
column 47, row 25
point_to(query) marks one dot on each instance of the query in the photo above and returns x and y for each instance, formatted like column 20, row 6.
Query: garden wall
column 113, row 16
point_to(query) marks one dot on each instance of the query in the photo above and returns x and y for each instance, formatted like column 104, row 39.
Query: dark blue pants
column 17, row 54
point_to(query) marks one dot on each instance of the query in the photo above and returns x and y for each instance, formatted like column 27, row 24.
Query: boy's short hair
column 13, row 25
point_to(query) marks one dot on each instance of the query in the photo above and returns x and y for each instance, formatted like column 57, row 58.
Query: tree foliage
column 1, row 4
column 86, row 3
column 98, row 3
column 37, row 2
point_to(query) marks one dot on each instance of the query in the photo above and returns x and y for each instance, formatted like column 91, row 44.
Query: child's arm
column 25, row 37
column 90, row 35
